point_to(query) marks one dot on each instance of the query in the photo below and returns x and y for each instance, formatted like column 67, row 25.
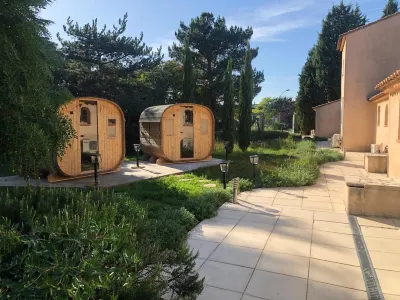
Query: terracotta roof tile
column 391, row 77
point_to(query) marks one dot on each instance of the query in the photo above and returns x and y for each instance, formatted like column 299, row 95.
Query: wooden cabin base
column 162, row 161
column 58, row 178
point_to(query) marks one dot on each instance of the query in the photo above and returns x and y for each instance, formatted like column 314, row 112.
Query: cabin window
column 169, row 127
column 112, row 128
column 379, row 116
column 85, row 116
column 188, row 117
column 386, row 115
column 204, row 126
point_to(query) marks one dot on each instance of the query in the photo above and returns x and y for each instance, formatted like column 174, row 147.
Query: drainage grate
column 371, row 281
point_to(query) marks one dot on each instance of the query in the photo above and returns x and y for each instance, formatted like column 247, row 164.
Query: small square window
column 112, row 128
column 204, row 126
column 188, row 117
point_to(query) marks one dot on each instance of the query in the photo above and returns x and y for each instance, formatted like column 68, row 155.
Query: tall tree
column 106, row 63
column 188, row 80
column 32, row 129
column 246, row 96
column 392, row 7
column 229, row 108
column 340, row 19
column 308, row 95
column 213, row 44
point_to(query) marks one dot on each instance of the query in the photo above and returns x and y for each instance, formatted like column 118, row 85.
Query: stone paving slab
column 296, row 243
column 128, row 174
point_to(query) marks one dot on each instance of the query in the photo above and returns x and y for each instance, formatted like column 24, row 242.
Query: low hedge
column 70, row 244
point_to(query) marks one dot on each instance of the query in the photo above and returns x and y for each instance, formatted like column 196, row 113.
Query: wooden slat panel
column 112, row 149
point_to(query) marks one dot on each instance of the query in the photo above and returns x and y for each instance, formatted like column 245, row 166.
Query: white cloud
column 270, row 33
column 269, row 22
column 268, row 12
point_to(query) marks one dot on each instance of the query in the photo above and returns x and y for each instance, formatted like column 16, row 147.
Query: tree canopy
column 188, row 80
column 320, row 79
column 213, row 44
column 228, row 133
column 340, row 19
column 392, row 7
column 32, row 130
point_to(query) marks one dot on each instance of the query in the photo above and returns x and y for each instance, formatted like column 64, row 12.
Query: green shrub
column 64, row 243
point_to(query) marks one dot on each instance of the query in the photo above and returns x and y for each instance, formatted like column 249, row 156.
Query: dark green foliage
column 107, row 64
column 320, row 79
column 392, row 7
column 246, row 96
column 188, row 80
column 32, row 130
column 213, row 44
column 283, row 163
column 307, row 96
column 340, row 19
column 228, row 109
column 129, row 244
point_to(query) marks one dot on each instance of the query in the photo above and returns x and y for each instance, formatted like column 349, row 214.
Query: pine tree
column 392, row 7
column 245, row 102
column 228, row 108
column 340, row 19
column 188, row 80
column 213, row 44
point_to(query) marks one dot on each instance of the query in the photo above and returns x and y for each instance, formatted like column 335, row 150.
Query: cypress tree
column 392, row 7
column 307, row 96
column 228, row 108
column 245, row 102
column 188, row 82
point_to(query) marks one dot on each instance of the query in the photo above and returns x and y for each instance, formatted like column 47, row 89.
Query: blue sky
column 284, row 30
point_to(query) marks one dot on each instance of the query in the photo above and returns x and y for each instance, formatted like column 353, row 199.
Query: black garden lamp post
column 254, row 162
column 227, row 146
column 137, row 149
column 224, row 166
column 95, row 158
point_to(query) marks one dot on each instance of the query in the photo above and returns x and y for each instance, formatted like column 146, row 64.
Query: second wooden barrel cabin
column 177, row 133
column 100, row 129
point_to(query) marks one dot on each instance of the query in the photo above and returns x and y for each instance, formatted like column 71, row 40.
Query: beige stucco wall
column 394, row 143
column 327, row 119
column 382, row 131
column 371, row 54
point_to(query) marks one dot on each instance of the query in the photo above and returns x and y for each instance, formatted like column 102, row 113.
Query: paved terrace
column 296, row 243
column 128, row 174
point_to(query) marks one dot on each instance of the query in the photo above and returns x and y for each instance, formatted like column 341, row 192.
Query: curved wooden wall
column 112, row 149
column 161, row 138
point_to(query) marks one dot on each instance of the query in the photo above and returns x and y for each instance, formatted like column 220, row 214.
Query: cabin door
column 88, row 134
column 186, row 132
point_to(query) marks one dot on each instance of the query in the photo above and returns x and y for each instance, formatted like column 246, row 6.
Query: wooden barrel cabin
column 100, row 128
column 177, row 133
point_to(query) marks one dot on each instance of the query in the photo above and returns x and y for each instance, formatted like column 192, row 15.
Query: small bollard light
column 95, row 158
column 137, row 149
column 224, row 166
column 235, row 185
column 254, row 162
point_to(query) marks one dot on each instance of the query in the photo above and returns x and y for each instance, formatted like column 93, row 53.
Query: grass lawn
column 282, row 162
column 129, row 242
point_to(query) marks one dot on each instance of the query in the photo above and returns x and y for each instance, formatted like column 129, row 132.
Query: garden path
column 295, row 243
column 129, row 173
